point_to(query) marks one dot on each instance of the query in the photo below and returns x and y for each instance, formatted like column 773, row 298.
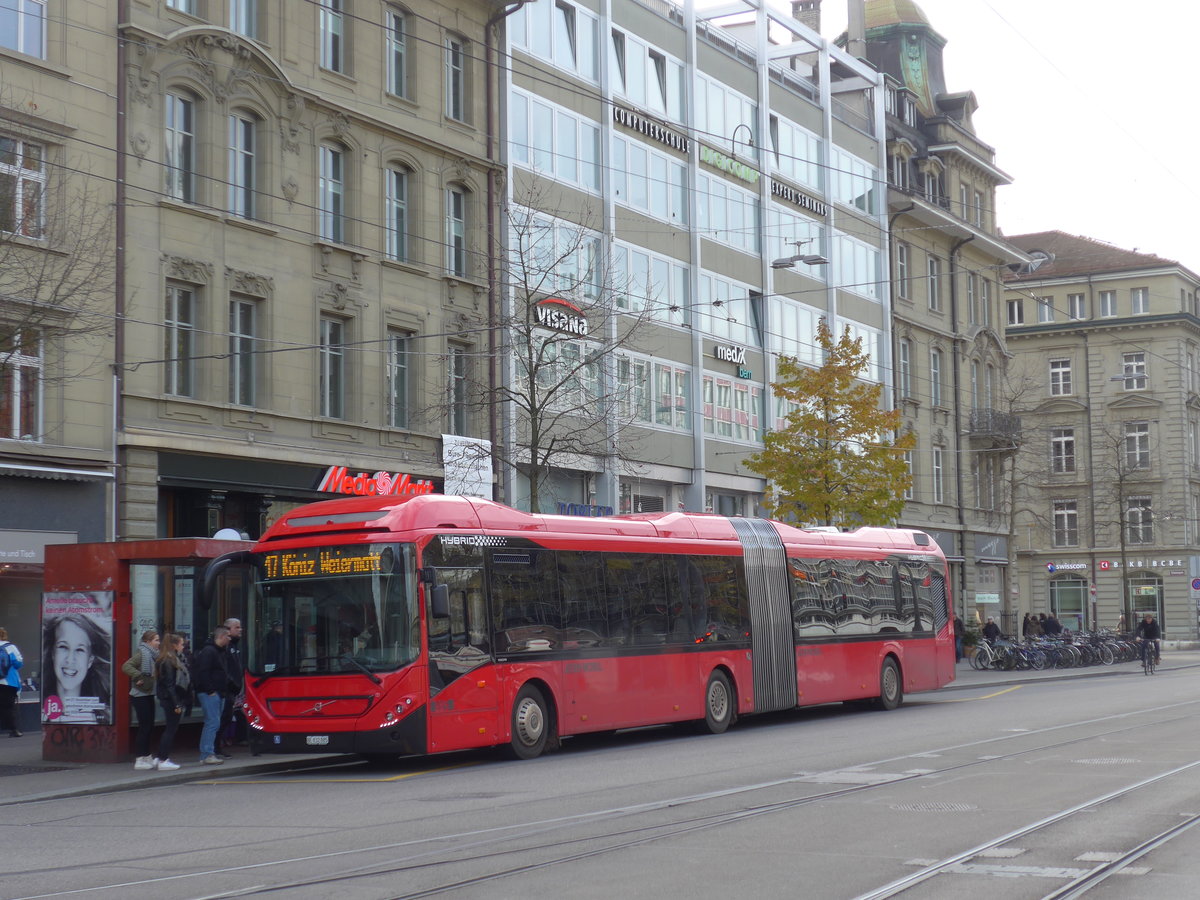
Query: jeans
column 211, row 704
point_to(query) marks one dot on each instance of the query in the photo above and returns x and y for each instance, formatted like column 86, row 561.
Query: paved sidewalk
column 25, row 777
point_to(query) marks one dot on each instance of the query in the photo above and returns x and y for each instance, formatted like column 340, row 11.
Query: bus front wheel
column 718, row 703
column 530, row 724
column 891, row 688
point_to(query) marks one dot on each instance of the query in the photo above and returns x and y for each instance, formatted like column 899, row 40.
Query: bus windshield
column 334, row 609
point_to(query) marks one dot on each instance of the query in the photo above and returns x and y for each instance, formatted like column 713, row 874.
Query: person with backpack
column 140, row 669
column 10, row 684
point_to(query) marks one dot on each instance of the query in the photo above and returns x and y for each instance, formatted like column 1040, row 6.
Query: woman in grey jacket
column 140, row 669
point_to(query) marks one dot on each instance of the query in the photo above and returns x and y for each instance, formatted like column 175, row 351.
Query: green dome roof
column 882, row 13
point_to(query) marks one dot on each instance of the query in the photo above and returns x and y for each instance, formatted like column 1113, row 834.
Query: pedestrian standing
column 210, row 678
column 959, row 631
column 173, row 687
column 228, row 735
column 140, row 669
column 10, row 684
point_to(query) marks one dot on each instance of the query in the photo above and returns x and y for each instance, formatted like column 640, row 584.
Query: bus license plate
column 317, row 740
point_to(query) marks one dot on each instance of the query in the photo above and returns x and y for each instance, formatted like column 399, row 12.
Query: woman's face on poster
column 72, row 657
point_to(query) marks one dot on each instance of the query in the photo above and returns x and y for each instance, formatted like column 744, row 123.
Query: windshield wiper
column 346, row 657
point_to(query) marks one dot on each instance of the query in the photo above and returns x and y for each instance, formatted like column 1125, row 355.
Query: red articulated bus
column 424, row 624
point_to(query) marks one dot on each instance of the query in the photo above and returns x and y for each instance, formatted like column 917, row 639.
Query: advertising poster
column 77, row 670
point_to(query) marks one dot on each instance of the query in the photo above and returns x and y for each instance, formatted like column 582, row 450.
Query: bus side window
column 639, row 580
column 526, row 612
column 685, row 599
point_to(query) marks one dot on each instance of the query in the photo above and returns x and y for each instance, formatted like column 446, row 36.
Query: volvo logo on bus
column 561, row 315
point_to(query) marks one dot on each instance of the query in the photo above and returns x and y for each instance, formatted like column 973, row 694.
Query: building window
column 180, row 147
column 1045, row 307
column 332, row 194
column 934, row 273
column 397, row 213
column 1016, row 312
column 332, row 35
column 1139, row 300
column 910, row 492
column 456, row 79
column 1108, row 304
column 456, row 231
column 1133, row 370
column 1076, row 307
column 187, row 6
column 903, row 254
column 985, row 301
column 332, row 360
column 973, row 298
column 456, row 387
column 179, row 325
column 22, row 187
column 243, row 351
column 397, row 54
column 1060, row 377
column 936, row 472
column 985, row 481
column 935, row 377
column 399, row 377
column 23, row 26
column 1139, row 520
column 21, row 368
column 1066, row 523
column 1137, row 445
column 904, row 363
column 979, row 209
column 1062, row 451
column 243, row 17
column 242, row 133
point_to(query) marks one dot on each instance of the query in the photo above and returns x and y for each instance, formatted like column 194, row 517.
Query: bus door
column 464, row 691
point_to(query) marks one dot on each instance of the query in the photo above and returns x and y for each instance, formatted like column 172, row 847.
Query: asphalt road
column 1006, row 791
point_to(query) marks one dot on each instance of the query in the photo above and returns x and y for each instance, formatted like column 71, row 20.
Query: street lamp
column 809, row 259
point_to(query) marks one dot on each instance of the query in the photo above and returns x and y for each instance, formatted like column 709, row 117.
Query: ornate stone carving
column 185, row 269
column 250, row 283
column 340, row 123
column 290, row 188
column 336, row 295
column 139, row 145
column 289, row 130
column 228, row 77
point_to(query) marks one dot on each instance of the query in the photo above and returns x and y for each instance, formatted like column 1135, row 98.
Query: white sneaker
column 165, row 765
column 211, row 761
column 144, row 762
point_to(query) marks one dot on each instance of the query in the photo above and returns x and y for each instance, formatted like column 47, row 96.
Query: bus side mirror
column 213, row 570
column 440, row 601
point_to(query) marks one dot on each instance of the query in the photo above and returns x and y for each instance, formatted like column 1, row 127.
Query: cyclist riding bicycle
column 1147, row 632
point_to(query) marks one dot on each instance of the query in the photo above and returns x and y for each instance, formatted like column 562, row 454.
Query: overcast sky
column 1089, row 105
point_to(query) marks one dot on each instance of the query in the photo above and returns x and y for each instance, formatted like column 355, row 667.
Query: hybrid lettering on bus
column 424, row 624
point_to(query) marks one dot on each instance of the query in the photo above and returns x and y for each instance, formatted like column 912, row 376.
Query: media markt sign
column 338, row 480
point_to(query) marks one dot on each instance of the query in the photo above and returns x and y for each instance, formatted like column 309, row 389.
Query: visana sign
column 338, row 481
column 558, row 314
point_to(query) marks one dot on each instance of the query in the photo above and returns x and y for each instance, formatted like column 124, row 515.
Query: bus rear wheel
column 530, row 724
column 718, row 703
column 891, row 688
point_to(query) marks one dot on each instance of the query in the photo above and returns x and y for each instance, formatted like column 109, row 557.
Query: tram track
column 430, row 853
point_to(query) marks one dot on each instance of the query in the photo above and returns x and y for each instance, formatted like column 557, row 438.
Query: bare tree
column 573, row 395
column 56, row 267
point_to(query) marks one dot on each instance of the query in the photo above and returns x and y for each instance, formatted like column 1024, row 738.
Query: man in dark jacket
column 210, row 678
column 991, row 631
column 1149, row 633
column 230, row 715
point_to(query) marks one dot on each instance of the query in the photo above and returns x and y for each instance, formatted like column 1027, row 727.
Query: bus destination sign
column 319, row 562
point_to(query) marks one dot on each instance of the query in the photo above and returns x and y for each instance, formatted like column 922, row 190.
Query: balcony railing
column 991, row 424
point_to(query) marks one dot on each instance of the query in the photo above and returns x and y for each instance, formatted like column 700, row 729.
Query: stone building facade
column 1107, row 345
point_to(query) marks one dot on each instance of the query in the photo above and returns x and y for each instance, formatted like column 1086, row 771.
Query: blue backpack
column 5, row 661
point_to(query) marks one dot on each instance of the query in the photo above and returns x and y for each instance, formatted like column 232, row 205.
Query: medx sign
column 735, row 355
